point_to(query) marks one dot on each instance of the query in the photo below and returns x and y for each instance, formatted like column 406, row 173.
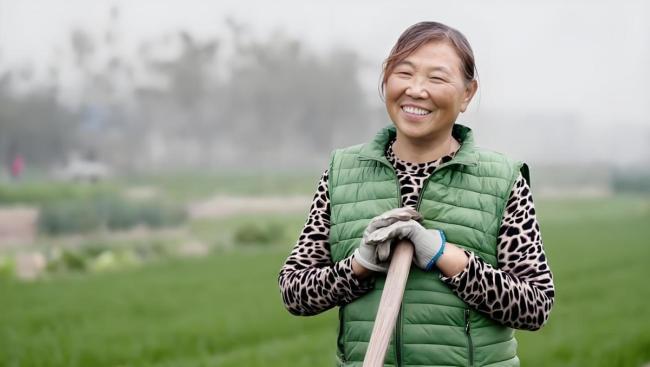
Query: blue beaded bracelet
column 439, row 253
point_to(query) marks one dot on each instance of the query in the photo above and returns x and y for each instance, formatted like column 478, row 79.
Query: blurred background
column 159, row 159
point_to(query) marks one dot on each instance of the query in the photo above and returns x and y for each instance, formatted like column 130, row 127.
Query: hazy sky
column 588, row 59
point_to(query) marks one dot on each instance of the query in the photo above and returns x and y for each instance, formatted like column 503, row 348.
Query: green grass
column 221, row 310
column 226, row 310
column 39, row 192
column 598, row 251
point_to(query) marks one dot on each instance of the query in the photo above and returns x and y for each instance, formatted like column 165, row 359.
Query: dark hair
column 425, row 32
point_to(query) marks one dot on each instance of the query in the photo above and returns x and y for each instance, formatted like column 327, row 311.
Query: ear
column 470, row 90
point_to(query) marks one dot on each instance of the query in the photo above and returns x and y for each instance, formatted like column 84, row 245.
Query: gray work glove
column 428, row 244
column 369, row 255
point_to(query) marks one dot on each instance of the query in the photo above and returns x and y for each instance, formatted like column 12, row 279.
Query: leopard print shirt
column 519, row 292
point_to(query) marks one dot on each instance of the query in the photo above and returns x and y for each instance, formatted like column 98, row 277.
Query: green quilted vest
column 465, row 198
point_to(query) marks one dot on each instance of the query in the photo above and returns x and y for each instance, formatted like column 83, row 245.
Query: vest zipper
column 398, row 338
column 398, row 325
column 399, row 317
column 468, row 330
column 397, row 333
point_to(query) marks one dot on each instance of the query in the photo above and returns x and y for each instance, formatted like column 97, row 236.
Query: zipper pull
column 467, row 322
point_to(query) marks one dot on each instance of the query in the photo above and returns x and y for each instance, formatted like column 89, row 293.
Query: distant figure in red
column 17, row 166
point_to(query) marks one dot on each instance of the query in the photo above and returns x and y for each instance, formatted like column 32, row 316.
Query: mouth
column 415, row 111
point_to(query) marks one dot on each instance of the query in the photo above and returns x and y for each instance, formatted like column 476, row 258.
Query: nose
column 416, row 88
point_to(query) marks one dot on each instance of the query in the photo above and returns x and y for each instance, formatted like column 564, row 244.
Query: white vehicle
column 78, row 169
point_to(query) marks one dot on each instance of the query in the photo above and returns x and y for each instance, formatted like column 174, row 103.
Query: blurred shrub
column 114, row 259
column 631, row 181
column 103, row 255
column 153, row 249
column 68, row 217
column 59, row 260
column 72, row 260
column 157, row 214
column 267, row 232
column 106, row 212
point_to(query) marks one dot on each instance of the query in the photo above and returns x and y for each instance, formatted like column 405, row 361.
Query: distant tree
column 282, row 95
column 190, row 84
column 259, row 104
column 34, row 125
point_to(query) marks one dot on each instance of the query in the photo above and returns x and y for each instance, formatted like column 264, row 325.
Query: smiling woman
column 428, row 81
column 425, row 92
column 479, row 268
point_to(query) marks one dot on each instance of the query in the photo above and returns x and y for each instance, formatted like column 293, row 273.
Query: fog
column 233, row 84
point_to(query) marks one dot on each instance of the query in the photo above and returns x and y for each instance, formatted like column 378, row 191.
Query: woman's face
column 426, row 92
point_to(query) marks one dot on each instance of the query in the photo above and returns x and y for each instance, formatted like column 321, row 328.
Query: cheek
column 444, row 96
column 394, row 88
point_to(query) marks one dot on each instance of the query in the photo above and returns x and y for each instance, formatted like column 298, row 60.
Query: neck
column 415, row 151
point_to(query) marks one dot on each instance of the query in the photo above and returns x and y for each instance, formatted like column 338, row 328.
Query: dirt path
column 224, row 206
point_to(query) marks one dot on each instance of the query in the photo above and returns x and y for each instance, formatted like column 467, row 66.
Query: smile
column 415, row 110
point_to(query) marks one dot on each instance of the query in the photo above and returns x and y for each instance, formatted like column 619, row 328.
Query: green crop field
column 226, row 310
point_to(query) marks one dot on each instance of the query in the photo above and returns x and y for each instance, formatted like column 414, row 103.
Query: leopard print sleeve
column 309, row 281
column 520, row 292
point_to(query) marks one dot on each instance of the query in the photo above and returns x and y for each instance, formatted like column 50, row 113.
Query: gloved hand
column 368, row 255
column 428, row 244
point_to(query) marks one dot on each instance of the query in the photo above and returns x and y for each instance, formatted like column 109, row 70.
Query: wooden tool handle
column 391, row 300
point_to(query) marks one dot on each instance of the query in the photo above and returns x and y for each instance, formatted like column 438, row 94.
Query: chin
column 410, row 131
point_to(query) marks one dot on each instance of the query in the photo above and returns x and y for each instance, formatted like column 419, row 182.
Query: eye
column 436, row 79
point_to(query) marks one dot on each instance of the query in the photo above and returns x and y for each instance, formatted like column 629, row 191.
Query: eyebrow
column 435, row 68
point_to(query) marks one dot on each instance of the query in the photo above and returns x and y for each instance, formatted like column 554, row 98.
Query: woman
column 479, row 269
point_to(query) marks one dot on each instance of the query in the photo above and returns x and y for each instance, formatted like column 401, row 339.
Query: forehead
column 438, row 55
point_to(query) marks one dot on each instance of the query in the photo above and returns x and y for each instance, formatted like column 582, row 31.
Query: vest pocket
column 468, row 333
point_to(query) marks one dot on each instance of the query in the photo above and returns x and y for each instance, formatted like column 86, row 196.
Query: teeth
column 415, row 110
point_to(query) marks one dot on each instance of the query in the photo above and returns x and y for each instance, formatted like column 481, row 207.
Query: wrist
column 359, row 271
column 453, row 262
column 438, row 252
